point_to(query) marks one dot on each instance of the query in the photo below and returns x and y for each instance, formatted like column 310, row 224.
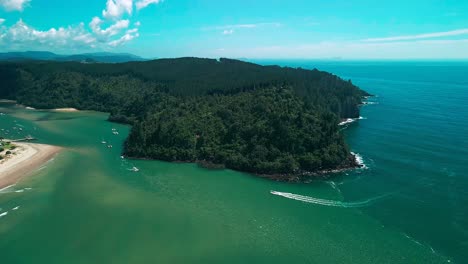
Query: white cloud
column 104, row 34
column 451, row 33
column 418, row 49
column 116, row 8
column 14, row 5
column 144, row 3
column 22, row 35
column 228, row 31
column 85, row 38
column 100, row 33
column 131, row 34
column 132, row 31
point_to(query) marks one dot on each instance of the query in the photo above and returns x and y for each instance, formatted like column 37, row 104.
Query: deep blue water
column 414, row 140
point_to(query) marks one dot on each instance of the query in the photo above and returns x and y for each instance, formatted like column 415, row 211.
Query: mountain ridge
column 98, row 57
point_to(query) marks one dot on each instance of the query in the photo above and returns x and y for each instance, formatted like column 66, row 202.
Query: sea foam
column 359, row 160
column 347, row 121
column 350, row 120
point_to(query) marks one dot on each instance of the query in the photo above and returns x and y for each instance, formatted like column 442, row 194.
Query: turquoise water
column 408, row 206
column 414, row 140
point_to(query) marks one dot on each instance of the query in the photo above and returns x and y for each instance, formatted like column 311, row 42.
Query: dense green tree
column 260, row 119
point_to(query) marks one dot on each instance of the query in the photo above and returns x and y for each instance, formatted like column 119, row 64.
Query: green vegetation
column 5, row 146
column 265, row 120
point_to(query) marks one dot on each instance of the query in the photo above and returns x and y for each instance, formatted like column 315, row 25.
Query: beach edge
column 21, row 165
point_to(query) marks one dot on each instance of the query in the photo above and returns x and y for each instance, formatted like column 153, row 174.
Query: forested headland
column 266, row 120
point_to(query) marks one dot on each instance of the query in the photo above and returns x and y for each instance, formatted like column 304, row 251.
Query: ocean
column 408, row 205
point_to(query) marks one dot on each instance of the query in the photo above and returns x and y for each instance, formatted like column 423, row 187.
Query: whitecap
column 16, row 208
column 359, row 160
column 3, row 214
column 347, row 121
column 350, row 120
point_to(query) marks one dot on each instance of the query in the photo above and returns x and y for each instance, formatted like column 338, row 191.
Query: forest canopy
column 261, row 119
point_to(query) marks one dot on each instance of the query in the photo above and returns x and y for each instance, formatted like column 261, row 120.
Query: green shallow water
column 87, row 206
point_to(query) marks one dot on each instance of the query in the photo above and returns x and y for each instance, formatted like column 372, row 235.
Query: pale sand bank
column 66, row 110
column 26, row 158
column 7, row 101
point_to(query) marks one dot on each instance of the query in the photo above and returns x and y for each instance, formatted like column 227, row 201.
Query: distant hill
column 98, row 57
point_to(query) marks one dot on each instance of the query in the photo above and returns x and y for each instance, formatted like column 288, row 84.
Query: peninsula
column 278, row 122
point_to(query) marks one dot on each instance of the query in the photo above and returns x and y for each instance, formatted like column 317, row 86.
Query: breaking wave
column 350, row 120
column 359, row 160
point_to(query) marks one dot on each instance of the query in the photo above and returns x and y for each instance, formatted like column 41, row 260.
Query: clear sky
column 348, row 29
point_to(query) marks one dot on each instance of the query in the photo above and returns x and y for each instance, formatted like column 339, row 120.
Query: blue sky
column 358, row 29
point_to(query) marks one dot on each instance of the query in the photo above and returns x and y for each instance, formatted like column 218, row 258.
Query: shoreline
column 7, row 101
column 353, row 162
column 64, row 109
column 25, row 159
column 67, row 109
column 347, row 121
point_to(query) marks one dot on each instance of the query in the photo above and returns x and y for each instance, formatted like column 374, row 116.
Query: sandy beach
column 7, row 101
column 66, row 110
column 25, row 158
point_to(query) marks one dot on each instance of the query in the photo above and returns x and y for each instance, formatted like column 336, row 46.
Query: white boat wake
column 324, row 202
